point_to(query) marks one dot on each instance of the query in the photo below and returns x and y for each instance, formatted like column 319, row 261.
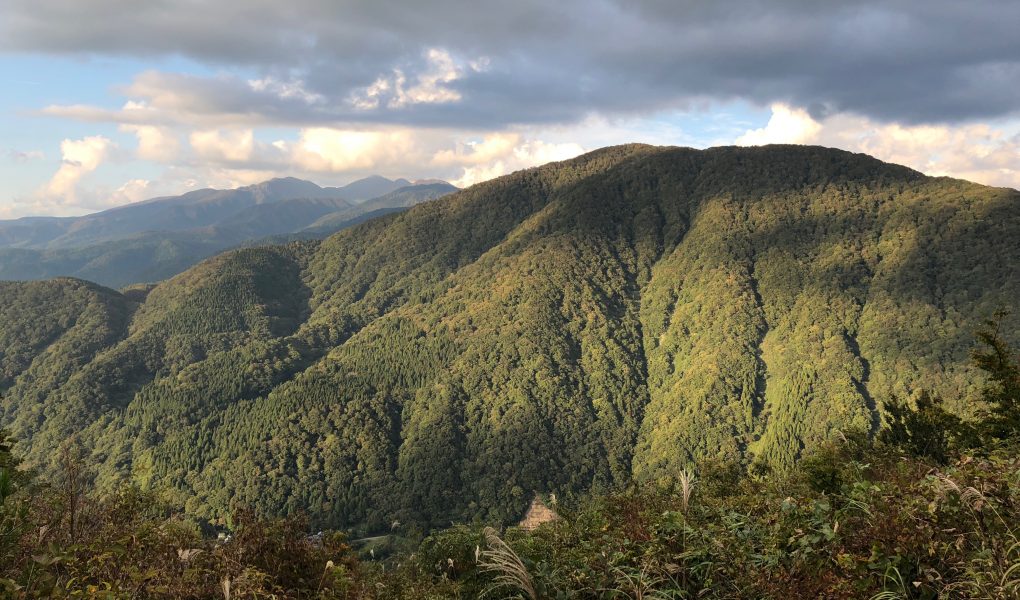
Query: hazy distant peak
column 284, row 188
column 370, row 187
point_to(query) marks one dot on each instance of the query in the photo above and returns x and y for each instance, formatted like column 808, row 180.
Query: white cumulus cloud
column 787, row 125
column 236, row 145
column 323, row 149
column 79, row 157
column 494, row 146
column 155, row 143
column 501, row 153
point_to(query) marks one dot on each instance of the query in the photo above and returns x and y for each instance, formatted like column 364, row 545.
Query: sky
column 107, row 102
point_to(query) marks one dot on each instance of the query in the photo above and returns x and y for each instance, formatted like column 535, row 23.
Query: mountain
column 403, row 197
column 155, row 239
column 31, row 231
column 199, row 208
column 371, row 187
column 580, row 325
column 196, row 209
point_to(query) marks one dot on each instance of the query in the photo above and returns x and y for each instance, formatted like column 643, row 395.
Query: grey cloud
column 911, row 61
column 22, row 156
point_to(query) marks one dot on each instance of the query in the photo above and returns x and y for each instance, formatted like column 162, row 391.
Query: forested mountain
column 578, row 325
column 156, row 239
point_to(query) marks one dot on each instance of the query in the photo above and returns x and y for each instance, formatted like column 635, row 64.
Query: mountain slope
column 581, row 324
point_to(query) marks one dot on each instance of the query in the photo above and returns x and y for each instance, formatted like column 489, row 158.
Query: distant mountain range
column 154, row 239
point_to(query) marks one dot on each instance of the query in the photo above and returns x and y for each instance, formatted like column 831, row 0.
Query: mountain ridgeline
column 152, row 240
column 575, row 326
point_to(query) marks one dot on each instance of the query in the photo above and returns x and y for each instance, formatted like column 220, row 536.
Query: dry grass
column 501, row 560
column 686, row 478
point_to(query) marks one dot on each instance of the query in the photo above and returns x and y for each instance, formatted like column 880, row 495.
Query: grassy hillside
column 575, row 326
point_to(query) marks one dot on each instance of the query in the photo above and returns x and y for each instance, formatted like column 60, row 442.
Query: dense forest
column 927, row 508
column 571, row 328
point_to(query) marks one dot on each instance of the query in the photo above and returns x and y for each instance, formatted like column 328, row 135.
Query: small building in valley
column 538, row 513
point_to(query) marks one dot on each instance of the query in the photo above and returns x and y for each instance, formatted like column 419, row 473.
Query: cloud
column 414, row 94
column 537, row 152
column 977, row 152
column 70, row 191
column 431, row 86
column 131, row 191
column 330, row 156
column 493, row 147
column 79, row 158
column 235, row 146
column 323, row 149
column 286, row 89
column 155, row 143
column 786, row 126
column 499, row 154
column 23, row 156
column 312, row 63
column 178, row 180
